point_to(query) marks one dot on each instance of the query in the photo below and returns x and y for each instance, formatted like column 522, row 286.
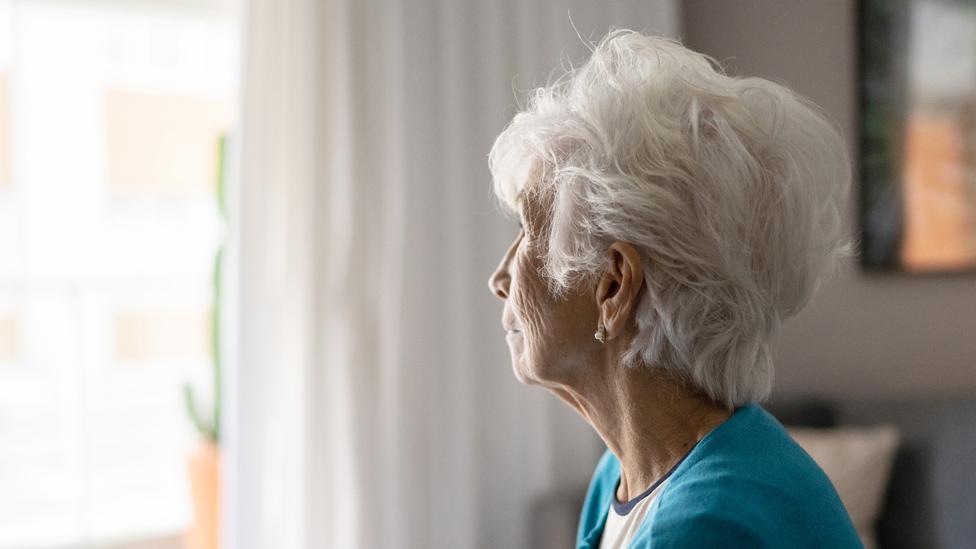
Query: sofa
column 930, row 500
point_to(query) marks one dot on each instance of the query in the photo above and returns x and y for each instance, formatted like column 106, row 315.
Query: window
column 111, row 117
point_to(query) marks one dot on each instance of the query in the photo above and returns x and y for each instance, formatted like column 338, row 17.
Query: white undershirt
column 620, row 529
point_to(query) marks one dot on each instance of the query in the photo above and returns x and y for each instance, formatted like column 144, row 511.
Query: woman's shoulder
column 753, row 448
column 749, row 484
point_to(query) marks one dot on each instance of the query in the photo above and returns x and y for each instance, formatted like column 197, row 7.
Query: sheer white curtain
column 372, row 403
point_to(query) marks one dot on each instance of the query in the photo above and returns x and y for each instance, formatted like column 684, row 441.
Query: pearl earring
column 601, row 334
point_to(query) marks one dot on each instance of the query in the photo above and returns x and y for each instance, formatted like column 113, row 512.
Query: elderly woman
column 671, row 218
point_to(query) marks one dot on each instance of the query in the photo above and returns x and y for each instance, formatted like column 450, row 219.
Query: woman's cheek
column 532, row 305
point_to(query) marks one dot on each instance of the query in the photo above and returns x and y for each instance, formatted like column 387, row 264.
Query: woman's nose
column 500, row 280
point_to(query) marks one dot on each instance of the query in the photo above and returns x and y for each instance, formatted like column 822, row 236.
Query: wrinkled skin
column 552, row 337
column 647, row 418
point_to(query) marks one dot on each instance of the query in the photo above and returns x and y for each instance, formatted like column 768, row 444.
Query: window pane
column 111, row 117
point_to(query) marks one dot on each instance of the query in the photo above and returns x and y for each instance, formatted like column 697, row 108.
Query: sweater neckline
column 623, row 508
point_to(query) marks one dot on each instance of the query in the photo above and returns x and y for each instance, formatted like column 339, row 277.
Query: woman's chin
column 522, row 365
column 522, row 377
column 523, row 372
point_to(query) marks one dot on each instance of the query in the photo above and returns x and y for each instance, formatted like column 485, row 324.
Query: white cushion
column 858, row 462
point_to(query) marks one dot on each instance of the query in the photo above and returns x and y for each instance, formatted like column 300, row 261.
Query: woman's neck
column 646, row 418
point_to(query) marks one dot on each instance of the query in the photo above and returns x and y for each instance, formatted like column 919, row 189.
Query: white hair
column 731, row 190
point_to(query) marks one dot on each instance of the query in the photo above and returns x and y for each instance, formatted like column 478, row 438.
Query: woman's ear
column 618, row 289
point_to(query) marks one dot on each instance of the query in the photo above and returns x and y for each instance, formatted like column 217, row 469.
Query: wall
column 865, row 334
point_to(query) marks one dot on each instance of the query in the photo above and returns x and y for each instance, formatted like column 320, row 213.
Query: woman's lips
column 507, row 327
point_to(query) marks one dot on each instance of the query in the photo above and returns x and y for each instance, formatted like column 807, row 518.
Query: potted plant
column 204, row 463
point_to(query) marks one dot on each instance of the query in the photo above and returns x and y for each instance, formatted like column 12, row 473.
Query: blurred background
column 245, row 245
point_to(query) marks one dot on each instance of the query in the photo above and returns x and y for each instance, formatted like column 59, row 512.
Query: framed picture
column 917, row 94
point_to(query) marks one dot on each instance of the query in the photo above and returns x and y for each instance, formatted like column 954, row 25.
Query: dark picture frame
column 917, row 135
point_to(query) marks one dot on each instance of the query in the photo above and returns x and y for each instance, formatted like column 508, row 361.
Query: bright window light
column 111, row 116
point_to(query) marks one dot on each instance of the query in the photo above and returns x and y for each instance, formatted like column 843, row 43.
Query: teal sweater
column 746, row 484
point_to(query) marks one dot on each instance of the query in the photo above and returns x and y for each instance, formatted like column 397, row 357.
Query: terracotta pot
column 204, row 468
